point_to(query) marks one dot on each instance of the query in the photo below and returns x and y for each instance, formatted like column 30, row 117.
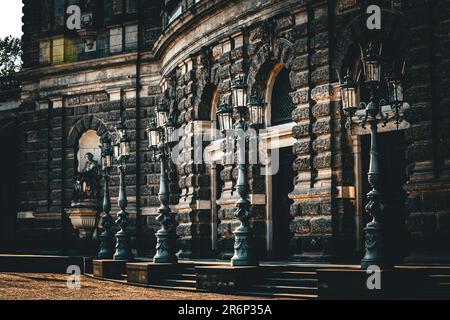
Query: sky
column 11, row 18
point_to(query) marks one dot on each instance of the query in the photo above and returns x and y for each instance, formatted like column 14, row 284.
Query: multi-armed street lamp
column 122, row 154
column 376, row 253
column 106, row 237
column 244, row 250
column 162, row 136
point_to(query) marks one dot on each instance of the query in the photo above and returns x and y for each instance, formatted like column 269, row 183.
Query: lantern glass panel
column 171, row 134
column 153, row 137
column 225, row 121
column 240, row 96
column 161, row 118
column 116, row 151
column 125, row 148
column 121, row 131
column 372, row 70
column 348, row 97
column 107, row 161
column 255, row 114
column 395, row 89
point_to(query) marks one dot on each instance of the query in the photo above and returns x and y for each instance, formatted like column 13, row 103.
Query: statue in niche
column 87, row 182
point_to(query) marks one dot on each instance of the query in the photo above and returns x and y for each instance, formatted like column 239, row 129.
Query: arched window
column 88, row 143
column 282, row 105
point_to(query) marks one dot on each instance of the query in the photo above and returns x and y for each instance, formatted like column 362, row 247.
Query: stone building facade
column 186, row 52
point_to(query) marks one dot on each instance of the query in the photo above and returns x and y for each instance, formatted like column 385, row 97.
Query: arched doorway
column 8, row 185
column 280, row 183
column 213, row 154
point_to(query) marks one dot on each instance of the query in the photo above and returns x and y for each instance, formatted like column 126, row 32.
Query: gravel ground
column 24, row 286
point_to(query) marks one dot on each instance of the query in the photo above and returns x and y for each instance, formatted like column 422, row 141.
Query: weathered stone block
column 321, row 127
column 299, row 63
column 150, row 273
column 422, row 222
column 320, row 40
column 301, row 46
column 310, row 207
column 300, row 113
column 298, row 79
column 321, row 75
column 300, row 96
column 322, row 144
column 226, row 279
column 300, row 131
column 322, row 93
column 300, row 226
column 322, row 160
column 321, row 225
column 321, row 110
column 110, row 269
column 302, row 147
column 302, row 163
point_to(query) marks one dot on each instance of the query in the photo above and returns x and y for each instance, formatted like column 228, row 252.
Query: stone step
column 440, row 275
column 297, row 296
column 295, row 274
column 300, row 282
column 285, row 289
column 172, row 287
column 180, row 282
column 184, row 276
column 431, row 270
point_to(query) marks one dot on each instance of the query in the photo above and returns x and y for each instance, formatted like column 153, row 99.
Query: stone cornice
column 190, row 18
column 28, row 75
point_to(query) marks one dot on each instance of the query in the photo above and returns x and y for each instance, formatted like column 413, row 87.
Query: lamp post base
column 243, row 248
column 375, row 248
column 106, row 245
column 123, row 251
column 165, row 247
column 106, row 250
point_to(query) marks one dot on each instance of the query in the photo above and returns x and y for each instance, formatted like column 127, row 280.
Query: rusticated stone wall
column 427, row 152
column 196, row 57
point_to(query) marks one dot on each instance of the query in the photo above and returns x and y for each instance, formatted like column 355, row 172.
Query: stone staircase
column 279, row 282
column 292, row 281
column 298, row 282
column 182, row 280
column 287, row 283
column 437, row 284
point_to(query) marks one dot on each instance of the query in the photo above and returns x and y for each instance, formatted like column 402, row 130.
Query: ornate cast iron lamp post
column 122, row 154
column 244, row 252
column 161, row 135
column 106, row 237
column 375, row 231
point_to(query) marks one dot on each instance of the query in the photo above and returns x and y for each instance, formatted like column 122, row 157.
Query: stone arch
column 394, row 29
column 204, row 103
column 264, row 62
column 88, row 122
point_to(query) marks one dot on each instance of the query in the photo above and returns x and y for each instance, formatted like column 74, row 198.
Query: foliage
column 10, row 55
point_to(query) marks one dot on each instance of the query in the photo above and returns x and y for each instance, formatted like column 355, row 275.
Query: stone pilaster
column 194, row 206
column 314, row 115
column 427, row 153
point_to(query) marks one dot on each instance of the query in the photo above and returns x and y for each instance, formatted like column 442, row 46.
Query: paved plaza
column 26, row 286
